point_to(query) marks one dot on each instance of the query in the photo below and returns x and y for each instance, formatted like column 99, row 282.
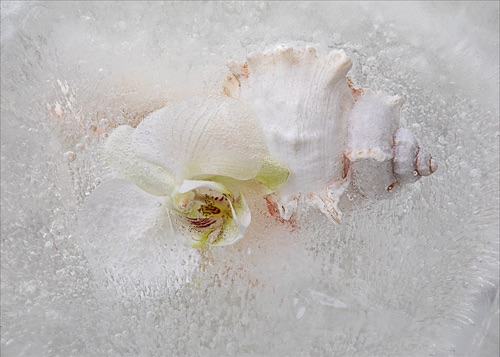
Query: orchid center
column 205, row 213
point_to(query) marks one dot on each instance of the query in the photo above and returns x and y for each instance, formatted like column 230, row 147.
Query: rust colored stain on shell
column 365, row 152
column 244, row 70
column 345, row 166
column 274, row 212
column 231, row 82
column 356, row 92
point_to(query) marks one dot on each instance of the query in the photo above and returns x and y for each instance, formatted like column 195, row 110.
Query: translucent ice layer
column 414, row 275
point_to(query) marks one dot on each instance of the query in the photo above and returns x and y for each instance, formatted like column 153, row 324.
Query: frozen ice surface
column 416, row 275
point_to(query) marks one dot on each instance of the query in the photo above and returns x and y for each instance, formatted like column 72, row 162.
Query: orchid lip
column 206, row 212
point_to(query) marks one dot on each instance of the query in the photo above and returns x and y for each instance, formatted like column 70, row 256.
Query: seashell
column 329, row 134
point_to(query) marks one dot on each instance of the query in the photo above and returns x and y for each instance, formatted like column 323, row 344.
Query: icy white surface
column 415, row 275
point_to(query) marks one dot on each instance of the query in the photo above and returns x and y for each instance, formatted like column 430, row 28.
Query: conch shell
column 330, row 135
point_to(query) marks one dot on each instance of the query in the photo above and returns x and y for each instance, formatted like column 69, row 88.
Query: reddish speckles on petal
column 201, row 222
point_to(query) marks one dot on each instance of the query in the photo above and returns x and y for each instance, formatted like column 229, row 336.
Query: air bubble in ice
column 231, row 348
column 69, row 156
column 104, row 123
column 80, row 147
column 301, row 312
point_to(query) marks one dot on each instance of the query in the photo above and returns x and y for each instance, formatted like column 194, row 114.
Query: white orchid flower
column 198, row 158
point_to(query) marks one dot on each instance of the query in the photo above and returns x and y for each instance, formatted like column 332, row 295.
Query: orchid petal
column 234, row 229
column 189, row 185
column 119, row 208
column 124, row 163
column 125, row 234
column 203, row 136
column 273, row 174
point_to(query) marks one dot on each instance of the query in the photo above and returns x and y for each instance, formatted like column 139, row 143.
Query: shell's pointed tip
column 283, row 48
column 433, row 166
column 425, row 164
column 311, row 50
column 341, row 60
column 338, row 54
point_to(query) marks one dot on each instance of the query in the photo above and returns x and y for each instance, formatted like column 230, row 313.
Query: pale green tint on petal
column 203, row 136
column 234, row 229
column 121, row 158
column 273, row 174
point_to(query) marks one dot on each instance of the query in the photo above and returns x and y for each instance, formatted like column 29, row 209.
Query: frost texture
column 415, row 275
